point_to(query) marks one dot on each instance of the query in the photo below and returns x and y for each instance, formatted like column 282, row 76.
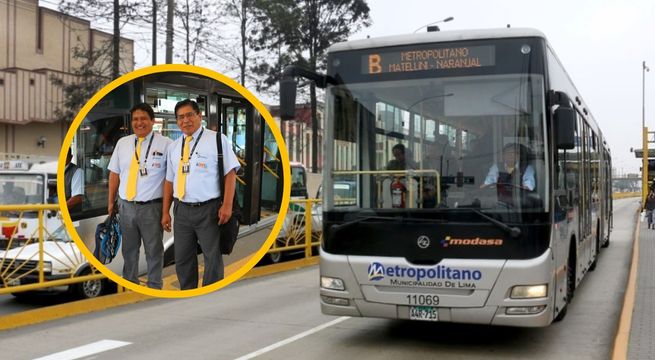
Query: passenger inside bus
column 12, row 195
column 401, row 160
column 439, row 156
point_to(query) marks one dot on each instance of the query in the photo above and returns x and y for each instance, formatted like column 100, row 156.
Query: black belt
column 158, row 200
column 196, row 204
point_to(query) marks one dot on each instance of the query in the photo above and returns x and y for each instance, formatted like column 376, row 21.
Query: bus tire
column 597, row 244
column 570, row 281
column 88, row 289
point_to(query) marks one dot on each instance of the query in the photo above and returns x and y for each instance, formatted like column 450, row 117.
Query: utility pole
column 169, row 31
column 154, row 32
column 116, row 43
column 644, row 129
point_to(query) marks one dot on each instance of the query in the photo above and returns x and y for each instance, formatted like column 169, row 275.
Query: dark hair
column 400, row 147
column 186, row 102
column 522, row 151
column 143, row 107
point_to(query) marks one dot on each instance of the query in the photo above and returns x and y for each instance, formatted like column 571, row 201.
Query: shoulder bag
column 230, row 230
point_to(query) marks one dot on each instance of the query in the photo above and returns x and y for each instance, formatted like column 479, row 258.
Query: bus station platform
column 642, row 329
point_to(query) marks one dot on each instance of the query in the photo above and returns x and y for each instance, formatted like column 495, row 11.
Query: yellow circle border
column 198, row 71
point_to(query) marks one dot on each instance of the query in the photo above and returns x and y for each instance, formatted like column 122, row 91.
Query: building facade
column 298, row 134
column 38, row 44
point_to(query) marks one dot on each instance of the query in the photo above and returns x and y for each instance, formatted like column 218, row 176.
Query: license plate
column 13, row 282
column 425, row 313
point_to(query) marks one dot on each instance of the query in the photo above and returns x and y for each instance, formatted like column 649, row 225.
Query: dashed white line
column 85, row 350
column 292, row 339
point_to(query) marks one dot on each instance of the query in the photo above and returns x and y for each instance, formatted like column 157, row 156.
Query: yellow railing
column 397, row 174
column 23, row 268
column 624, row 195
column 298, row 232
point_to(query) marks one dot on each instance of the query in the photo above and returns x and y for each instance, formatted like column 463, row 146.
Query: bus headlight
column 47, row 267
column 332, row 283
column 529, row 291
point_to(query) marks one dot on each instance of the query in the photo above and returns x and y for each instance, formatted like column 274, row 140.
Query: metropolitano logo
column 375, row 271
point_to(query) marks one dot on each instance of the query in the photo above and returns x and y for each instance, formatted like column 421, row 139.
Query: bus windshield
column 20, row 189
column 440, row 143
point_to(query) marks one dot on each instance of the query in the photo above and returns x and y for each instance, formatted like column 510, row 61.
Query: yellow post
column 41, row 275
column 308, row 228
column 644, row 171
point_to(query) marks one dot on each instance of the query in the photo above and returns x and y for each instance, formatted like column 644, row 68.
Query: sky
column 601, row 44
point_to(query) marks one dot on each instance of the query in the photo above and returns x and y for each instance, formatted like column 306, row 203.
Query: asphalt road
column 279, row 318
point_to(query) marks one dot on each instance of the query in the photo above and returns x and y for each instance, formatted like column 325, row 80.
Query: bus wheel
column 88, row 289
column 595, row 263
column 570, row 281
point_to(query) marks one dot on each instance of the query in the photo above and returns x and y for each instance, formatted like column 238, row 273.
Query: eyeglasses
column 187, row 115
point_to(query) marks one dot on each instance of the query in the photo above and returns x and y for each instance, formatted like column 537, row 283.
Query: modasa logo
column 451, row 241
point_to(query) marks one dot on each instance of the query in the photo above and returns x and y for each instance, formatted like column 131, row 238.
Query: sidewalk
column 642, row 330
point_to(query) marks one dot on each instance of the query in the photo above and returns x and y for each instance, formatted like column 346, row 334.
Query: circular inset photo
column 176, row 181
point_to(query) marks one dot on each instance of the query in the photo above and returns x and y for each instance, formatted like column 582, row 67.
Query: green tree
column 299, row 32
column 106, row 10
column 88, row 79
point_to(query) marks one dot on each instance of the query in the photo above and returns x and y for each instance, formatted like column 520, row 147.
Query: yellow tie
column 134, row 170
column 181, row 176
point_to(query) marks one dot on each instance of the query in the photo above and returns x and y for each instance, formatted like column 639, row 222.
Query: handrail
column 266, row 150
column 15, row 270
column 397, row 173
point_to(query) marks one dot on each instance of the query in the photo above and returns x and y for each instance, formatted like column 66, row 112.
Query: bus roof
column 436, row 36
column 45, row 168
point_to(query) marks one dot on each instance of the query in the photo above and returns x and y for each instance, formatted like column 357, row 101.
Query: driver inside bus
column 512, row 166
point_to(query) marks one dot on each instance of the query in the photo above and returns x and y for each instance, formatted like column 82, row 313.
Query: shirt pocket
column 203, row 162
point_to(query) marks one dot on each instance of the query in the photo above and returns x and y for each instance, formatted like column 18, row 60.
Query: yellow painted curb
column 622, row 338
column 31, row 317
column 281, row 267
column 54, row 312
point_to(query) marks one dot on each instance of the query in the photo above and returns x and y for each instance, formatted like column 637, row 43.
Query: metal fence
column 297, row 233
column 41, row 257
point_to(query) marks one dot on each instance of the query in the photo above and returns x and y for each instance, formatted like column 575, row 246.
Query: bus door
column 242, row 125
column 584, row 209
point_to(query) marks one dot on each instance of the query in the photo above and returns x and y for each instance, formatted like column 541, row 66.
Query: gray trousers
column 197, row 225
column 142, row 222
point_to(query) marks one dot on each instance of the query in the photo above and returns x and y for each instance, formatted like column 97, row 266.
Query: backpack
column 108, row 239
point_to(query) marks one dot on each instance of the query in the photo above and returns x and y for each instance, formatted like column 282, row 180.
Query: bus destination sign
column 426, row 59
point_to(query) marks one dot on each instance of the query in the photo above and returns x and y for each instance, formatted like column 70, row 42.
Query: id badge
column 143, row 171
column 185, row 168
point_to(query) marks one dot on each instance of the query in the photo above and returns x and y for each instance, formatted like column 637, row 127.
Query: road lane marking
column 86, row 350
column 48, row 313
column 622, row 338
column 293, row 338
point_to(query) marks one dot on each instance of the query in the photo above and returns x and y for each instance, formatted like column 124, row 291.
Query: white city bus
column 457, row 231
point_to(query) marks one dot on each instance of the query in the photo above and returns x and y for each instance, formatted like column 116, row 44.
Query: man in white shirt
column 137, row 171
column 192, row 179
column 73, row 185
column 511, row 167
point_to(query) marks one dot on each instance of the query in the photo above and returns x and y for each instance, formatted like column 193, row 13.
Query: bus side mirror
column 287, row 98
column 565, row 128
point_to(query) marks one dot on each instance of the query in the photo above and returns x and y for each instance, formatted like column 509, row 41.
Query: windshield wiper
column 513, row 231
column 338, row 227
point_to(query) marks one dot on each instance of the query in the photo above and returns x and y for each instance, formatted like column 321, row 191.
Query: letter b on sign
column 374, row 66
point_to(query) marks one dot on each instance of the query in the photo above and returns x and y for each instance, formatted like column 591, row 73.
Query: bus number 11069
column 431, row 300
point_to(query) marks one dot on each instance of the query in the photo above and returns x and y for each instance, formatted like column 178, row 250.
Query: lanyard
column 136, row 139
column 192, row 149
